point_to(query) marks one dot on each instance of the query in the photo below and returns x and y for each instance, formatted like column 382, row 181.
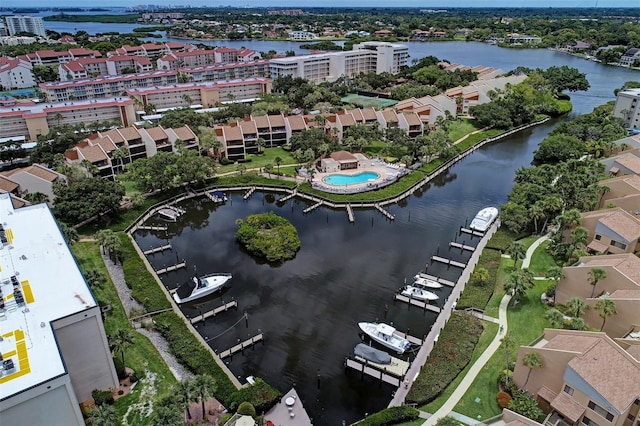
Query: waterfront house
column 611, row 231
column 586, row 378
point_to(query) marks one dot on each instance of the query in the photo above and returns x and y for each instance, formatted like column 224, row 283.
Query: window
column 568, row 389
column 598, row 237
column 600, row 411
column 619, row 245
column 587, row 421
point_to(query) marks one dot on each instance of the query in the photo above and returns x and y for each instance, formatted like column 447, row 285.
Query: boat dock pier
column 437, row 279
column 350, row 213
column 209, row 195
column 157, row 250
column 212, row 313
column 447, row 262
column 240, row 347
column 384, row 212
column 249, row 193
column 313, row 207
column 464, row 230
column 172, row 268
column 288, row 196
column 392, row 373
column 152, row 228
column 415, row 302
column 461, row 246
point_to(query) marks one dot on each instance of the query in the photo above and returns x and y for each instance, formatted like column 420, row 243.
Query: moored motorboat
column 483, row 220
column 418, row 293
column 219, row 197
column 422, row 282
column 371, row 354
column 385, row 335
column 198, row 287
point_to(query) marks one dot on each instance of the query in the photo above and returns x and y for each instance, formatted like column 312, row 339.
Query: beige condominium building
column 54, row 348
column 622, row 191
column 586, row 378
column 612, row 231
column 622, row 285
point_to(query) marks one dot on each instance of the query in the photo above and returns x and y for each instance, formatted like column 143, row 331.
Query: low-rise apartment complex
column 586, row 378
column 627, row 108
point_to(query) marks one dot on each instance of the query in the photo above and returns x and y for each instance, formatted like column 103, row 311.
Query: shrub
column 503, row 399
column 224, row 161
column 269, row 236
column 134, row 377
column 510, row 387
column 391, row 416
column 449, row 356
column 260, row 395
column 523, row 404
column 224, row 418
column 449, row 421
column 102, row 397
column 119, row 366
column 246, row 409
column 551, row 290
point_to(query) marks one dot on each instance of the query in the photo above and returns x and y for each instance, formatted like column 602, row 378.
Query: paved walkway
column 464, row 385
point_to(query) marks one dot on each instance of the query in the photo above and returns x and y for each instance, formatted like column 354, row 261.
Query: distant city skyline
column 429, row 4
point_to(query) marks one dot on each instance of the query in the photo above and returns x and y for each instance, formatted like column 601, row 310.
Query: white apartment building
column 627, row 107
column 30, row 24
column 54, row 348
column 365, row 57
column 16, row 74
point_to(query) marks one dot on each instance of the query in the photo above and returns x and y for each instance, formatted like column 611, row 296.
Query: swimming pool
column 339, row 179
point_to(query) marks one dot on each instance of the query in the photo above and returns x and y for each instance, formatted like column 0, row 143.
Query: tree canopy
column 269, row 236
column 78, row 201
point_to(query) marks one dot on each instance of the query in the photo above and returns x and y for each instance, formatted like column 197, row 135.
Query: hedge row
column 476, row 295
column 260, row 395
column 390, row 416
column 448, row 358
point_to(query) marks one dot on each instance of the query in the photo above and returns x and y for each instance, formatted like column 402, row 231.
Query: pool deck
column 387, row 174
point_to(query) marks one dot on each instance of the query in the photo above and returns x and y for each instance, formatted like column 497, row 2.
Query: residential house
column 622, row 283
column 586, row 378
column 612, row 231
column 630, row 57
column 625, row 164
column 32, row 179
column 624, row 192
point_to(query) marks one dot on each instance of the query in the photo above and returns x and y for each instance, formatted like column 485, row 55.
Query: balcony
column 555, row 419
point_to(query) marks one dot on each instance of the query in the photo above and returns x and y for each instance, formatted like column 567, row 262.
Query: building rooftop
column 618, row 221
column 50, row 287
column 626, row 264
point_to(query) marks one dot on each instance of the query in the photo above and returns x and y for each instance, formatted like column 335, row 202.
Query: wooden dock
column 419, row 303
column 288, row 196
column 241, row 346
column 249, row 193
column 384, row 212
column 212, row 197
column 152, row 228
column 171, row 268
column 448, row 261
column 212, row 313
column 350, row 213
column 471, row 232
column 414, row 340
column 461, row 246
column 157, row 250
column 313, row 207
column 436, row 279
column 391, row 373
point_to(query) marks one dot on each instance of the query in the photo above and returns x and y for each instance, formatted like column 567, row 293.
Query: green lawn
column 142, row 356
column 526, row 323
column 461, row 127
column 258, row 161
column 490, row 330
column 541, row 261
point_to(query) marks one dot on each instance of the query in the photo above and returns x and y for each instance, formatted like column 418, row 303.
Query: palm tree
column 579, row 237
column 555, row 318
column 576, row 307
column 536, row 212
column 94, row 278
column 268, row 168
column 121, row 340
column 531, row 360
column 555, row 273
column 278, row 161
column 516, row 251
column 571, row 218
column 204, row 385
column 480, row 276
column 120, row 154
column 507, row 344
column 70, row 234
column 261, row 144
column 241, row 168
column 165, row 415
column 57, row 117
column 518, row 283
column 103, row 415
column 595, row 276
column 606, row 307
column 185, row 392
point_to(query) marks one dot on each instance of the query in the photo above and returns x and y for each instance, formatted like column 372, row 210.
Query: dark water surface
column 345, row 273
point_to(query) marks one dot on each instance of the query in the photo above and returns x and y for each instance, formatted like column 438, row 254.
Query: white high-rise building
column 365, row 57
column 30, row 24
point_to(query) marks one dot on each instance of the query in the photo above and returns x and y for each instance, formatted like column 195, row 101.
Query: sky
column 423, row 4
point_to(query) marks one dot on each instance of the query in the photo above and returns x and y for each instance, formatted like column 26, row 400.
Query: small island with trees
column 269, row 236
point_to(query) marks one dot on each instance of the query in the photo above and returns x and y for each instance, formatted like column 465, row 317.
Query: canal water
column 309, row 307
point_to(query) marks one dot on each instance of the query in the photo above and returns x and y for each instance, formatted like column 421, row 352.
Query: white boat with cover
column 484, row 219
column 423, row 282
column 385, row 335
column 418, row 293
column 196, row 287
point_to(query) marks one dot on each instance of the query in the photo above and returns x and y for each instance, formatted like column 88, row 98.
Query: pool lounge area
column 346, row 173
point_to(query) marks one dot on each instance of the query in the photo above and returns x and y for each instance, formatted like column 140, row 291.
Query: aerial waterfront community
column 296, row 216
